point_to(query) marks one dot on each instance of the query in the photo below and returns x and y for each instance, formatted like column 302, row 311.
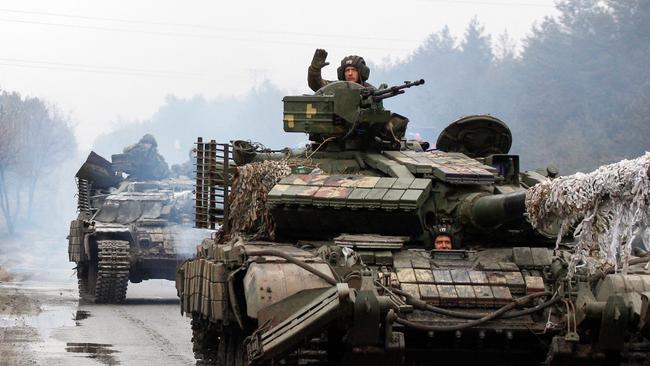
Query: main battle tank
column 348, row 274
column 127, row 229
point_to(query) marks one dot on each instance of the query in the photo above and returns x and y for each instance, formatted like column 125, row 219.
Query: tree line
column 35, row 138
column 575, row 92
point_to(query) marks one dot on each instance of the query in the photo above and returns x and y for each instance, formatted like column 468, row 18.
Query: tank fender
column 633, row 290
column 615, row 284
column 270, row 282
column 121, row 231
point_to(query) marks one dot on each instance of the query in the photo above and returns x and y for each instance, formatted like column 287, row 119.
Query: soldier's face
column 351, row 74
column 442, row 242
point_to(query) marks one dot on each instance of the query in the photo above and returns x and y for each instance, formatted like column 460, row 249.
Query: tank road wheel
column 112, row 271
column 205, row 341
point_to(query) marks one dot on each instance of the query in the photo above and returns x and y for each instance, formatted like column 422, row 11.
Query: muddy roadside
column 15, row 334
column 43, row 321
column 25, row 293
column 31, row 315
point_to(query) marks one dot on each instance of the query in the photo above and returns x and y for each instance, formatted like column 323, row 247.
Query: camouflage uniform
column 144, row 161
column 315, row 80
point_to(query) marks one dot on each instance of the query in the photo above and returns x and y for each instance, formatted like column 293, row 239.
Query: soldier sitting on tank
column 443, row 240
column 353, row 68
column 142, row 160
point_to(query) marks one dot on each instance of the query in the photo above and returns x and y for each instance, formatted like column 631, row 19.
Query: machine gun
column 389, row 92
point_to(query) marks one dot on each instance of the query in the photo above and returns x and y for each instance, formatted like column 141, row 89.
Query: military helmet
column 357, row 62
column 442, row 230
column 149, row 139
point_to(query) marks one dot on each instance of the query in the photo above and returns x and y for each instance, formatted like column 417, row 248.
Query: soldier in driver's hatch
column 353, row 68
column 443, row 240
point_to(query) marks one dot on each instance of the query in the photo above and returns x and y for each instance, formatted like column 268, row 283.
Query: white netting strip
column 609, row 206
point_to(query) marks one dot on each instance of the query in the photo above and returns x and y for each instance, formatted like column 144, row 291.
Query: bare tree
column 34, row 139
column 48, row 140
column 10, row 112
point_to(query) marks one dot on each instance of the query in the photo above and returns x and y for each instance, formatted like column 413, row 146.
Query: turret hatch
column 476, row 136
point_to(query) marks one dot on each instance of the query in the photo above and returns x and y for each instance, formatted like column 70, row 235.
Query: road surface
column 43, row 321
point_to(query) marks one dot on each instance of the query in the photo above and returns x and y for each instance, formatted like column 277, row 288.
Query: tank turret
column 359, row 175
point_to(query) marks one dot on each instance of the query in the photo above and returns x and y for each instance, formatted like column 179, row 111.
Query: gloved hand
column 318, row 62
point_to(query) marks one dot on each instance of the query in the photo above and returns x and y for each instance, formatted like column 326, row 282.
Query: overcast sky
column 109, row 61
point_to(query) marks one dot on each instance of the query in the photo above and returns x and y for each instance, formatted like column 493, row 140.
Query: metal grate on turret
column 213, row 183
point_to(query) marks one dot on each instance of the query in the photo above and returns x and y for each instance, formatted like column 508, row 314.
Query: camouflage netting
column 249, row 215
column 609, row 205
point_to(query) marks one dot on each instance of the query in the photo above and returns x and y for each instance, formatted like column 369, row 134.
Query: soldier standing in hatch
column 353, row 68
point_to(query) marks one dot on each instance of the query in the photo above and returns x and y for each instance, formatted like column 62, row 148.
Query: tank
column 345, row 271
column 127, row 229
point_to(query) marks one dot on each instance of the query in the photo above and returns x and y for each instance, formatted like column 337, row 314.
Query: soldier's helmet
column 357, row 62
column 149, row 139
column 442, row 230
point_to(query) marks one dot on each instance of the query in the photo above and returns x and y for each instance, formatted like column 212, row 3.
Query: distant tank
column 127, row 229
column 352, row 277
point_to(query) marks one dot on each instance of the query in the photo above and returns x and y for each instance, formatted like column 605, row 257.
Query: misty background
column 575, row 92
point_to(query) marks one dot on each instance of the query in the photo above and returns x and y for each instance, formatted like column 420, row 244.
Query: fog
column 575, row 94
column 574, row 89
column 117, row 61
column 176, row 125
column 38, row 250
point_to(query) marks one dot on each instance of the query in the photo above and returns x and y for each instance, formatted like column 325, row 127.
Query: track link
column 205, row 343
column 83, row 287
column 112, row 271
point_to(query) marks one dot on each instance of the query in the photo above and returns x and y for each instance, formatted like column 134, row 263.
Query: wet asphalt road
column 44, row 323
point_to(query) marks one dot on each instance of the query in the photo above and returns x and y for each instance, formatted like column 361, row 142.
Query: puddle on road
column 97, row 351
column 49, row 318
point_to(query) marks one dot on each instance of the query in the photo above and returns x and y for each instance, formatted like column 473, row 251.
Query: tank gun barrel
column 489, row 211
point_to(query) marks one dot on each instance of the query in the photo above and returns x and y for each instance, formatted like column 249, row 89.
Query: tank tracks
column 204, row 341
column 212, row 346
column 112, row 271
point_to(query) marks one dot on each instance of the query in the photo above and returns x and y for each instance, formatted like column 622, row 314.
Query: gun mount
column 347, row 116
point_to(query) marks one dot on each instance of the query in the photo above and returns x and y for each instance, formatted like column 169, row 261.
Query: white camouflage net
column 609, row 205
